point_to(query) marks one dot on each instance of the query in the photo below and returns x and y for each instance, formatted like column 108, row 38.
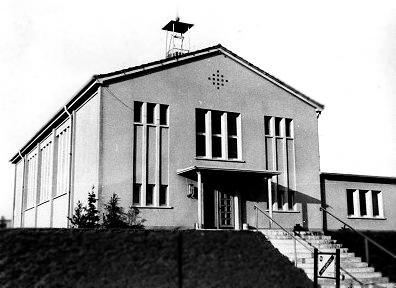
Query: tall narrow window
column 280, row 198
column 150, row 194
column 31, row 180
column 267, row 125
column 278, row 126
column 46, row 172
column 232, row 135
column 136, row 193
column 280, row 156
column 201, row 135
column 216, row 134
column 163, row 114
column 375, row 199
column 150, row 113
column 362, row 202
column 290, row 200
column 137, row 111
column 350, row 207
column 163, row 195
column 288, row 127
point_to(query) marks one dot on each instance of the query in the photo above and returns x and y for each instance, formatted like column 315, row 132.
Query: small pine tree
column 78, row 219
column 115, row 216
column 91, row 213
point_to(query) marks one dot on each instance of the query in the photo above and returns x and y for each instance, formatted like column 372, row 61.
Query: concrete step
column 351, row 270
column 344, row 261
column 344, row 265
column 356, row 285
column 360, row 275
column 320, row 241
column 310, row 255
column 365, row 281
column 321, row 247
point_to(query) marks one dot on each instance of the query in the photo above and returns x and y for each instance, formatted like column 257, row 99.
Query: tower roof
column 177, row 26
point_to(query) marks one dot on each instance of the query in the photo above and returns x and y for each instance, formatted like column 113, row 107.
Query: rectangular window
column 267, row 125
column 232, row 130
column 350, row 207
column 137, row 109
column 232, row 124
column 358, row 201
column 280, row 156
column 216, row 134
column 280, row 199
column 201, row 151
column 362, row 202
column 164, row 114
column 216, row 146
column 278, row 126
column 216, row 122
column 201, row 135
column 200, row 120
column 220, row 137
column 150, row 113
column 232, row 148
column 150, row 194
column 290, row 200
column 288, row 127
column 63, row 161
column 31, row 189
column 136, row 193
column 46, row 172
column 163, row 197
column 375, row 198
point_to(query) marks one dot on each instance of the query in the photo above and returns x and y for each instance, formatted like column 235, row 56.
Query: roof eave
column 89, row 85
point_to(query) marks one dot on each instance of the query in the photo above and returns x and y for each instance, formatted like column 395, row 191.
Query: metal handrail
column 280, row 226
column 361, row 234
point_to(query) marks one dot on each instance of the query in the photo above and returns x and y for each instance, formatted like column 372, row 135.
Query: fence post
column 256, row 217
column 180, row 259
column 295, row 251
column 366, row 249
column 337, row 266
column 315, row 267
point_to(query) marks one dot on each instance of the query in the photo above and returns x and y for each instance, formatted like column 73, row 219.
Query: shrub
column 92, row 214
column 78, row 219
column 115, row 216
column 133, row 218
column 86, row 217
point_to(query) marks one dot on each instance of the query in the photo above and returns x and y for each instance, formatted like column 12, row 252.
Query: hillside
column 127, row 258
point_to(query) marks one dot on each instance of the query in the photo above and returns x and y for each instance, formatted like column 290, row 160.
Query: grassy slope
column 126, row 258
column 378, row 259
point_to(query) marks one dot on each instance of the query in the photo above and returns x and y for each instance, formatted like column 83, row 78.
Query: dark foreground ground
column 127, row 258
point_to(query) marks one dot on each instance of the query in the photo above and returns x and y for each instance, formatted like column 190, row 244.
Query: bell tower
column 175, row 37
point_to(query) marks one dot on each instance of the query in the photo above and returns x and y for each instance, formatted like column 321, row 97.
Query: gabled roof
column 196, row 55
column 97, row 80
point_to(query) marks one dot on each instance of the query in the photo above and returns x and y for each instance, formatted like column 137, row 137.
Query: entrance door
column 225, row 210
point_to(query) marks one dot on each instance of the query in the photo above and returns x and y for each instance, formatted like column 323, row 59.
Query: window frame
column 368, row 203
column 224, row 136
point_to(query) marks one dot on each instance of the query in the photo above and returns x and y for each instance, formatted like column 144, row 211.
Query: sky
column 340, row 53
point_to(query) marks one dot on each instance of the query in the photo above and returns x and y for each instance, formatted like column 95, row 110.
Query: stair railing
column 306, row 245
column 295, row 239
column 366, row 238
